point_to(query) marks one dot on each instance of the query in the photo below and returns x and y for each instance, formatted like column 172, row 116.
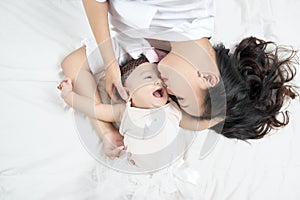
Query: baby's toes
column 66, row 86
column 69, row 81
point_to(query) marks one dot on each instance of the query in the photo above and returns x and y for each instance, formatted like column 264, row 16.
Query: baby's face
column 145, row 87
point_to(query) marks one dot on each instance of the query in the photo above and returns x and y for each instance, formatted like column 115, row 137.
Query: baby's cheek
column 139, row 99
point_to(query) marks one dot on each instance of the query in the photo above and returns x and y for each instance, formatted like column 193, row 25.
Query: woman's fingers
column 122, row 91
column 113, row 81
column 117, row 85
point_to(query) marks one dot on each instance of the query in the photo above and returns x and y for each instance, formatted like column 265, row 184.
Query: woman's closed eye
column 182, row 102
column 180, row 98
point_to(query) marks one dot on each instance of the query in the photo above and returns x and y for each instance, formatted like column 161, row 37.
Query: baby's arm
column 104, row 112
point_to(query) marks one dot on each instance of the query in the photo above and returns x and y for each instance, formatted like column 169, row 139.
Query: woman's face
column 183, row 82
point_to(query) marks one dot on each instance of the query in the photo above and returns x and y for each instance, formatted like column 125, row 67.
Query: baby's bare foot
column 66, row 87
column 66, row 90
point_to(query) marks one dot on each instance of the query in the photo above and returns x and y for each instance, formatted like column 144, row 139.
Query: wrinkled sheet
column 41, row 154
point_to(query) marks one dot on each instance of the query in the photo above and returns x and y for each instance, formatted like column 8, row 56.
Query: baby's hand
column 66, row 90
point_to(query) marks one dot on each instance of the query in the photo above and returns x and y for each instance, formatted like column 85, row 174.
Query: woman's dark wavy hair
column 256, row 85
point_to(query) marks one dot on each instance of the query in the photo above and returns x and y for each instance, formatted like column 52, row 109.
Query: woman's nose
column 164, row 79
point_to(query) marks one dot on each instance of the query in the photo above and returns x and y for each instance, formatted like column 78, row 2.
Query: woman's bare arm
column 97, row 13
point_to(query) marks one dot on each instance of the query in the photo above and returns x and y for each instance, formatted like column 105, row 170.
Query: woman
column 253, row 80
column 240, row 90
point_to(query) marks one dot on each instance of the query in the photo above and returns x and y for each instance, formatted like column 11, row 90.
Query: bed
column 41, row 153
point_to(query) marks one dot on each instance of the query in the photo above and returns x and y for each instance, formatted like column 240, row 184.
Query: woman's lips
column 164, row 79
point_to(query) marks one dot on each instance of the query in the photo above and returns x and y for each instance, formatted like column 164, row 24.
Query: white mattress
column 41, row 155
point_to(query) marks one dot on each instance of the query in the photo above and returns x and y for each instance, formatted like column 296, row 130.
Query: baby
column 149, row 121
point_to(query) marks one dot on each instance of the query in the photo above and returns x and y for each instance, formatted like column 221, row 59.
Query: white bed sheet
column 41, row 156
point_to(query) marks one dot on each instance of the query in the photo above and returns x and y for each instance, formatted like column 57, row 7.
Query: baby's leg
column 75, row 67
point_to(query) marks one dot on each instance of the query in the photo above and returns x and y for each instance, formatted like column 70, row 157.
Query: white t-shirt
column 169, row 20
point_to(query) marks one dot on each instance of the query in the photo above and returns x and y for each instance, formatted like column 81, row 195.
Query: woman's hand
column 112, row 143
column 113, row 81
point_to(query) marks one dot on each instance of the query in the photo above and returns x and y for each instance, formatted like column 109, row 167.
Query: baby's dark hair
column 129, row 67
column 255, row 80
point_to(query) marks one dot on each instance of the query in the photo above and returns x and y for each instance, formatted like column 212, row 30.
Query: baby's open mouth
column 158, row 93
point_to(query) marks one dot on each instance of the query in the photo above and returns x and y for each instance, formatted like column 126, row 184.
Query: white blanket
column 41, row 155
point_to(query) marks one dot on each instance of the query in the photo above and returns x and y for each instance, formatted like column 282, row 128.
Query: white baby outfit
column 158, row 146
column 152, row 135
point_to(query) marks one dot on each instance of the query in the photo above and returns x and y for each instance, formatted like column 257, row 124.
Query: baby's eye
column 148, row 77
